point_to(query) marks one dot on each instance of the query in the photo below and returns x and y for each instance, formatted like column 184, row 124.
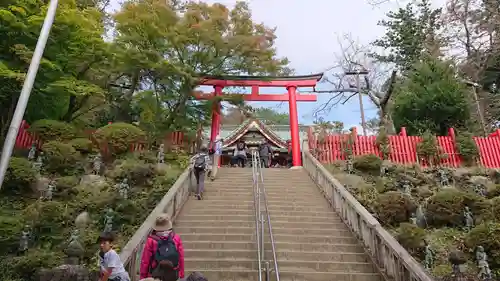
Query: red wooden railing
column 403, row 148
column 25, row 139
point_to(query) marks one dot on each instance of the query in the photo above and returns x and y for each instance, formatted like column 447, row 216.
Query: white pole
column 10, row 140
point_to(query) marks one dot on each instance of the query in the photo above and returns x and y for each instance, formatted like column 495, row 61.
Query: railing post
column 262, row 234
column 268, row 271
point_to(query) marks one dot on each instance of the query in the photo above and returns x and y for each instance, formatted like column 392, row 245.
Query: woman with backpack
column 163, row 249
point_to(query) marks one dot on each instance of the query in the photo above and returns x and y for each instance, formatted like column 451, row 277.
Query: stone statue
column 50, row 190
column 458, row 262
column 75, row 236
column 123, row 188
column 429, row 257
column 482, row 264
column 349, row 166
column 469, row 219
column 161, row 154
column 421, row 219
column 32, row 152
column 406, row 187
column 443, row 178
column 96, row 164
column 37, row 165
column 24, row 239
column 413, row 219
column 383, row 171
column 480, row 189
column 108, row 220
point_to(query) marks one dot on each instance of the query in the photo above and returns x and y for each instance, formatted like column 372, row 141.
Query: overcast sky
column 307, row 33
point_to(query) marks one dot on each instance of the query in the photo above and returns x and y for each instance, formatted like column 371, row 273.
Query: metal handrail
column 261, row 194
column 256, row 205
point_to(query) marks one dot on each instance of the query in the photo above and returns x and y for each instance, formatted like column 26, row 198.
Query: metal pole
column 479, row 112
column 363, row 122
column 10, row 139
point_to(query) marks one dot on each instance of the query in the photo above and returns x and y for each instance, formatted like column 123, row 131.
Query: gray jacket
column 265, row 150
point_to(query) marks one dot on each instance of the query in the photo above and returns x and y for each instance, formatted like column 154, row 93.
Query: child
column 163, row 251
column 111, row 266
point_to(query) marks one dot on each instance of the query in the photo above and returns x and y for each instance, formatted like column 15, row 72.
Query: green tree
column 65, row 80
column 167, row 47
column 410, row 32
column 271, row 117
column 431, row 98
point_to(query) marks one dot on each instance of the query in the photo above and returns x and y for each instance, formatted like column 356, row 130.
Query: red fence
column 403, row 148
column 25, row 139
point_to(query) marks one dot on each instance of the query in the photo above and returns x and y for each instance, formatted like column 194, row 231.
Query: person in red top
column 163, row 247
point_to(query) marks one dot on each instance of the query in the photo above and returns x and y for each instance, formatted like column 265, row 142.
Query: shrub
column 52, row 130
column 26, row 266
column 119, row 137
column 369, row 163
column 138, row 172
column 19, row 177
column 466, row 147
column 60, row 157
column 446, row 208
column 65, row 186
column 383, row 144
column 82, row 145
column 486, row 235
column 412, row 238
column 428, row 148
column 393, row 208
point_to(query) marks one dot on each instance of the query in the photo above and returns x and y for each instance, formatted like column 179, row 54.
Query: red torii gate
column 291, row 83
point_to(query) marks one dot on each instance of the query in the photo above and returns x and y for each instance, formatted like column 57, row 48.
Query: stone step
column 221, row 263
column 273, row 212
column 281, row 255
column 283, row 199
column 217, row 237
column 251, row 230
column 217, row 205
column 251, row 216
column 295, row 275
column 250, row 223
column 226, row 274
column 313, row 239
column 217, row 230
column 296, row 265
column 289, row 191
column 286, row 246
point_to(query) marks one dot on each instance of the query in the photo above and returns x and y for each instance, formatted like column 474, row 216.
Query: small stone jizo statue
column 349, row 166
column 108, row 220
column 24, row 239
column 161, row 154
column 469, row 218
column 421, row 219
column 75, row 236
column 406, row 187
column 37, row 165
column 123, row 188
column 443, row 178
column 482, row 264
column 429, row 257
column 32, row 152
column 413, row 219
column 383, row 171
column 96, row 164
column 50, row 190
column 480, row 189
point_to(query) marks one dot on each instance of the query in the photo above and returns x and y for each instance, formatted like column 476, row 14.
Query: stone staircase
column 312, row 243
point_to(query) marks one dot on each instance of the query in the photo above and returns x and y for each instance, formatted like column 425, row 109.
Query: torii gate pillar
column 294, row 126
column 215, row 127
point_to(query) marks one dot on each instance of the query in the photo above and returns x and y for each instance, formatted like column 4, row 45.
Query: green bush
column 82, row 145
column 25, row 267
column 393, row 208
column 429, row 149
column 467, row 148
column 48, row 220
column 446, row 208
column 52, row 130
column 19, row 177
column 65, row 186
column 60, row 157
column 412, row 238
column 10, row 228
column 138, row 172
column 369, row 163
column 486, row 235
column 119, row 137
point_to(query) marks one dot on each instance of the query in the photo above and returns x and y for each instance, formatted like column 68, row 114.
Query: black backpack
column 166, row 251
column 199, row 162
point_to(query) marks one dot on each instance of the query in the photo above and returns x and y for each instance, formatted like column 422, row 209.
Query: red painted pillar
column 215, row 116
column 294, row 126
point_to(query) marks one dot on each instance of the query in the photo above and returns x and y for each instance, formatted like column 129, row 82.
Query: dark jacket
column 265, row 150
